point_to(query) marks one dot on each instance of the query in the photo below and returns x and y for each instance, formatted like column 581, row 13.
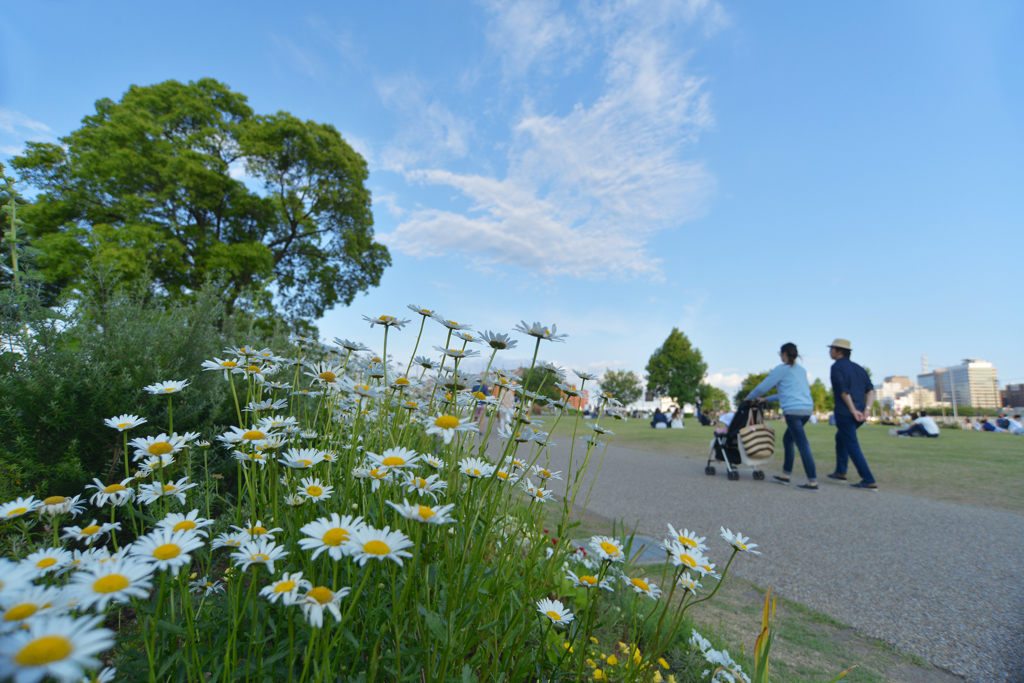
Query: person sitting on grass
column 988, row 426
column 1015, row 426
column 922, row 425
column 660, row 420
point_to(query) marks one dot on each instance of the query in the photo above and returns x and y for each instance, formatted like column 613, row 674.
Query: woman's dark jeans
column 795, row 434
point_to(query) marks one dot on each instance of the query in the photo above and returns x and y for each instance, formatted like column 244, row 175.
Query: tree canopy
column 625, row 385
column 822, row 397
column 676, row 369
column 156, row 184
column 713, row 398
column 749, row 382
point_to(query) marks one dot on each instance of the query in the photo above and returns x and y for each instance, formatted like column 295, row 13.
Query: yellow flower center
column 544, row 474
column 321, row 594
column 589, row 580
column 185, row 525
column 259, row 557
column 401, row 380
column 46, row 562
column 425, row 512
column 376, row 548
column 378, row 474
column 452, row 322
column 555, row 616
column 641, row 584
column 689, row 542
column 90, row 530
column 257, row 531
column 111, row 583
column 740, row 546
column 314, row 491
column 327, row 376
column 44, row 650
column 21, row 612
column 480, row 395
column 114, row 488
column 254, row 435
column 253, row 368
column 473, row 471
column 447, row 422
column 124, row 425
column 609, row 548
column 17, row 511
column 335, row 537
column 420, row 482
column 229, row 364
column 284, row 587
column 160, row 448
column 393, row 461
column 54, row 500
column 167, row 551
column 502, row 475
column 306, row 463
column 168, row 488
column 375, row 359
column 169, row 390
column 686, row 559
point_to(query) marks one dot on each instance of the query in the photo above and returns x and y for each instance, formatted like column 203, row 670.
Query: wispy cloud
column 16, row 129
column 430, row 132
column 585, row 190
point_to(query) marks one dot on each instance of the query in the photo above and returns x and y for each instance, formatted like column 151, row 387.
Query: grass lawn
column 974, row 468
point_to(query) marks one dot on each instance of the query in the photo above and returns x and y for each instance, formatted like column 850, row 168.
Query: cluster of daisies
column 727, row 670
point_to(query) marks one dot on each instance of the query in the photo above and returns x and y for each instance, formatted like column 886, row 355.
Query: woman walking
column 794, row 398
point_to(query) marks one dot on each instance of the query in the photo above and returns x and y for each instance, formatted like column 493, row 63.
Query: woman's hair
column 789, row 348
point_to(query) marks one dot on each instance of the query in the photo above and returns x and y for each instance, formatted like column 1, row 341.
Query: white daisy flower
column 190, row 521
column 116, row 494
column 329, row 534
column 229, row 540
column 107, row 674
column 151, row 493
column 687, row 538
column 146, row 446
column 365, row 391
column 450, row 324
column 321, row 598
column 59, row 505
column 30, row 603
column 350, row 346
column 539, row 494
column 506, row 476
column 425, row 312
column 228, row 366
column 426, row 363
column 739, row 541
column 584, row 375
column 18, row 507
column 457, row 353
column 162, row 388
column 607, row 549
column 47, row 560
column 544, row 473
column 14, row 578
column 498, row 340
column 277, row 422
column 426, row 486
column 599, row 429
column 90, row 533
column 286, row 589
column 256, row 531
column 60, row 647
column 424, row 513
column 687, row 583
column 386, row 321
column 555, row 611
column 434, row 461
column 683, row 556
column 167, row 550
column 301, row 458
column 642, row 587
column 368, row 544
column 315, row 490
column 239, row 435
column 540, row 331
column 608, row 398
column 123, row 422
column 260, row 552
column 206, row 587
column 588, row 581
column 394, row 457
column 476, row 468
column 102, row 583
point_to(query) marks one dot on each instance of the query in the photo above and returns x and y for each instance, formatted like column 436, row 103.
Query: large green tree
column 159, row 184
column 713, row 398
column 822, row 397
column 625, row 385
column 676, row 369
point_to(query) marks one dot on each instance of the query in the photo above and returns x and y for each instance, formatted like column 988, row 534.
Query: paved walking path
column 939, row 580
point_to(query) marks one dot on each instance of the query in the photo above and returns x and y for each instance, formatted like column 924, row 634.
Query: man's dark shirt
column 850, row 378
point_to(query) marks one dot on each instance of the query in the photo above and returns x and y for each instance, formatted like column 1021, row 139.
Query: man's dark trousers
column 848, row 448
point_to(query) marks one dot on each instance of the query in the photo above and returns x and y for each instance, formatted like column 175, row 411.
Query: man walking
column 853, row 392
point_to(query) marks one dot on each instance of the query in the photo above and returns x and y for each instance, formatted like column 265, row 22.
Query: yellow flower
column 598, row 675
column 657, row 677
column 664, row 664
column 671, row 678
column 612, row 660
column 623, row 647
column 593, row 640
column 590, row 663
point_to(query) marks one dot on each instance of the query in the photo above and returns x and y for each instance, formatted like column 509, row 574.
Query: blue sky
column 752, row 173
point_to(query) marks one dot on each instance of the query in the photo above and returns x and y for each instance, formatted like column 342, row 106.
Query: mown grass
column 972, row 468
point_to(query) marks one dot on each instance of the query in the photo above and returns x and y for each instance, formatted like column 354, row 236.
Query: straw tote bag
column 756, row 439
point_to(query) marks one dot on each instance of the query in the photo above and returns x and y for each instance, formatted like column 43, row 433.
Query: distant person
column 853, row 393
column 1016, row 427
column 794, row 398
column 660, row 420
column 1003, row 422
column 921, row 425
column 989, row 427
column 967, row 425
column 677, row 419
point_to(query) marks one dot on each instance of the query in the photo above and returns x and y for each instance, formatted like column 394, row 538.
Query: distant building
column 890, row 388
column 1013, row 396
column 916, row 398
column 974, row 383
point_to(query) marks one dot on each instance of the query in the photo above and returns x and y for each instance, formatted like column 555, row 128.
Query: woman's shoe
column 779, row 480
column 807, row 487
column 840, row 477
column 862, row 485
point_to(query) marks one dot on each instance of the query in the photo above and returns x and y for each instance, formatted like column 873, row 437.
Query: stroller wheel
column 734, row 476
column 709, row 470
column 758, row 474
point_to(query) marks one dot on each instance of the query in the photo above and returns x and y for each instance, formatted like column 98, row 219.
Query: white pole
column 952, row 394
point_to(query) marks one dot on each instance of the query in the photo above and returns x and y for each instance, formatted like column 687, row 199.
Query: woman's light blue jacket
column 794, row 391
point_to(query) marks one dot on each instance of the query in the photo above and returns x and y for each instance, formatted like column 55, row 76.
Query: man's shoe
column 807, row 487
column 779, row 480
column 862, row 485
column 840, row 477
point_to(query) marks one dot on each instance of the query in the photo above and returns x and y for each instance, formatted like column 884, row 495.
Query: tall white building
column 972, row 383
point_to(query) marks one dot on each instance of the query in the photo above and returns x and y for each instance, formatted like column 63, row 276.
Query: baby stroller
column 747, row 443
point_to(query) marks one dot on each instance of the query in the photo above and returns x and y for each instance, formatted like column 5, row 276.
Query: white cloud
column 16, row 129
column 430, row 131
column 728, row 383
column 585, row 190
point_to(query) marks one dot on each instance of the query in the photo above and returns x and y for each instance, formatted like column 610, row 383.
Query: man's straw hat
column 841, row 344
